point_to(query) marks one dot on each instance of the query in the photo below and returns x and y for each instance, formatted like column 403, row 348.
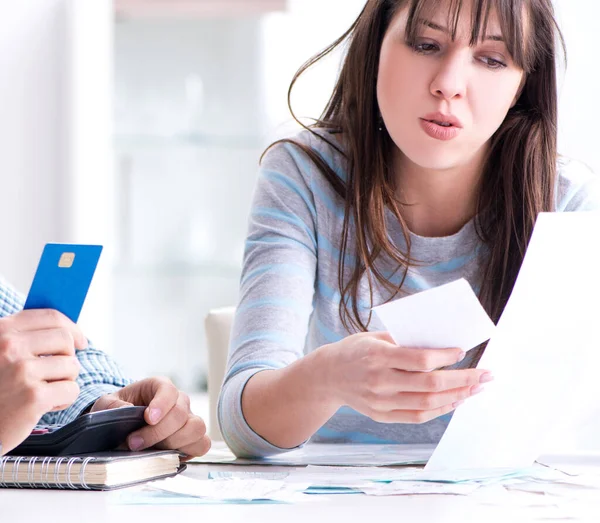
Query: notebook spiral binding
column 50, row 469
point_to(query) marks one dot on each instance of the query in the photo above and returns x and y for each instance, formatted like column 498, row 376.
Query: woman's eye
column 492, row 63
column 425, row 47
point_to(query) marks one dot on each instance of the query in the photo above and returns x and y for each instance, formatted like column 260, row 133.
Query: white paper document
column 407, row 488
column 347, row 454
column 357, row 477
column 234, row 489
column 543, row 351
column 345, row 476
column 219, row 453
column 444, row 317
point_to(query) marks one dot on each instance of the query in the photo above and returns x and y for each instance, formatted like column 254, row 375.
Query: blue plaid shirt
column 99, row 374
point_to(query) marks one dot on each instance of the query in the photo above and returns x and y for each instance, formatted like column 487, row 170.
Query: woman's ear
column 519, row 91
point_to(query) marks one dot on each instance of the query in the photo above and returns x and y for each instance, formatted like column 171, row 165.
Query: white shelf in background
column 195, row 8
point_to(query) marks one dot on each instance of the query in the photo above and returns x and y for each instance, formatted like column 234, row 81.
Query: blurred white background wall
column 55, row 140
column 579, row 110
column 33, row 133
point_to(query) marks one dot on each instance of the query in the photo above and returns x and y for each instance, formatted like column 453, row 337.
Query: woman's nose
column 450, row 81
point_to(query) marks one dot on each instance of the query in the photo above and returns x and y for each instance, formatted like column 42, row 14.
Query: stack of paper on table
column 289, row 485
column 350, row 454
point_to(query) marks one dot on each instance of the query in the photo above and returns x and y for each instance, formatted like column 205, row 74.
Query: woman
column 434, row 156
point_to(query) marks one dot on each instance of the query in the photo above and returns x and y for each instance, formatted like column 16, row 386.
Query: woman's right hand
column 31, row 384
column 392, row 384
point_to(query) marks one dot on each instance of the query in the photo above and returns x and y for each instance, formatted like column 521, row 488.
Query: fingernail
column 461, row 356
column 136, row 443
column 485, row 377
column 458, row 403
column 155, row 415
column 476, row 389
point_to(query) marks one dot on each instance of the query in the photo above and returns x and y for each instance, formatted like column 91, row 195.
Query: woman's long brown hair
column 519, row 176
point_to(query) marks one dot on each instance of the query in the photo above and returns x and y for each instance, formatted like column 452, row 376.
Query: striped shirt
column 99, row 374
column 289, row 297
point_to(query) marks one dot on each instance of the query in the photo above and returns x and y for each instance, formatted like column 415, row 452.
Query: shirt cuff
column 239, row 436
column 86, row 398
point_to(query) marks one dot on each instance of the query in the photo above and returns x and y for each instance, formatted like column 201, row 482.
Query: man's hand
column 171, row 423
column 30, row 383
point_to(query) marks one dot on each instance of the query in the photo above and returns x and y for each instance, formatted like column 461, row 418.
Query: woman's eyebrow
column 443, row 29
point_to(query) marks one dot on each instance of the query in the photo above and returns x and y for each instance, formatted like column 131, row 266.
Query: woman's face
column 442, row 100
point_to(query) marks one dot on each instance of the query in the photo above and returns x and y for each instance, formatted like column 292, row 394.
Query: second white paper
column 542, row 351
column 444, row 317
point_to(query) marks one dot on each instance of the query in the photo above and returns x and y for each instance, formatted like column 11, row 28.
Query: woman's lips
column 439, row 132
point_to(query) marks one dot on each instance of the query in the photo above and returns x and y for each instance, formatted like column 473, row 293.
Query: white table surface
column 48, row 506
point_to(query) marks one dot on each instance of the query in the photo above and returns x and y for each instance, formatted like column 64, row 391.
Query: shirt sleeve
column 579, row 188
column 276, row 289
column 99, row 374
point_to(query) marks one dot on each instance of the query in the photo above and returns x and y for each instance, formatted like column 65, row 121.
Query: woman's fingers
column 421, row 360
column 395, row 384
column 410, row 416
column 425, row 401
column 440, row 380
column 390, row 381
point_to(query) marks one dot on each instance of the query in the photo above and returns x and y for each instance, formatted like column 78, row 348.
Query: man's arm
column 11, row 301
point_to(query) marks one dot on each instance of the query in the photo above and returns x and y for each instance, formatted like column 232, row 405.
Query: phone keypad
column 44, row 429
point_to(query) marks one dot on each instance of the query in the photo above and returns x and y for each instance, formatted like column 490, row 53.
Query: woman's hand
column 365, row 371
column 392, row 384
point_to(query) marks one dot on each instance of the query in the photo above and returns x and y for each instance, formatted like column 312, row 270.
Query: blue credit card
column 63, row 278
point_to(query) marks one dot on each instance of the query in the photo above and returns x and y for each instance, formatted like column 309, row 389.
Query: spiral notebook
column 101, row 471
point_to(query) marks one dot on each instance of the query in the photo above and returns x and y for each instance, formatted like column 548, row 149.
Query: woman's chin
column 435, row 161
